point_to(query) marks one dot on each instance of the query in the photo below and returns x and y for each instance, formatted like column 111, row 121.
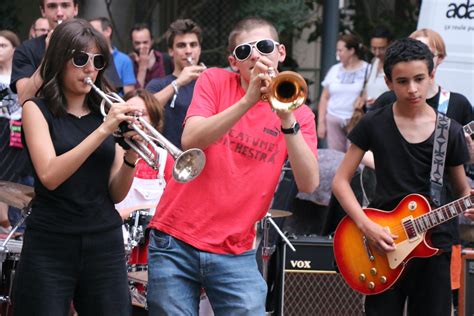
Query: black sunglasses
column 80, row 59
column 264, row 47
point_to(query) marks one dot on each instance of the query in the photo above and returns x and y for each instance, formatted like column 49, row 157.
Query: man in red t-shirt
column 202, row 231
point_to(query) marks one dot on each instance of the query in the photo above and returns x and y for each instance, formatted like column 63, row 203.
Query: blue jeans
column 178, row 271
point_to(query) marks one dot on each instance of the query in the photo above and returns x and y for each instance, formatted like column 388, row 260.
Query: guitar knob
column 362, row 277
column 383, row 279
column 373, row 271
column 371, row 285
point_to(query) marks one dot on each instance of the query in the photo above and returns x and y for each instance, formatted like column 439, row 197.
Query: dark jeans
column 426, row 283
column 88, row 269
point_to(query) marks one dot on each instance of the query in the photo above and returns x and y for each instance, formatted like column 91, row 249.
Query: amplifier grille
column 325, row 294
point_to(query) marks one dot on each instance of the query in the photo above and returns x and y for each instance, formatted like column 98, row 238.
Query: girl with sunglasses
column 73, row 245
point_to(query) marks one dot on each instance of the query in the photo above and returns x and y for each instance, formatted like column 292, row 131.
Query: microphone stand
column 268, row 250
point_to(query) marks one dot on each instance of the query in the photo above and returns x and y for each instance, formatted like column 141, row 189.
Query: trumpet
column 188, row 164
column 287, row 90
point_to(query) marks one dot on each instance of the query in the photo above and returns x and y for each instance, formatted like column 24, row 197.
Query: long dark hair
column 74, row 34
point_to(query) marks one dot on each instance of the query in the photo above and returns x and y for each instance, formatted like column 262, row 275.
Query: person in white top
column 342, row 85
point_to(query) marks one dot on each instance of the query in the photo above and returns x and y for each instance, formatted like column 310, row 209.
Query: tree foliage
column 359, row 16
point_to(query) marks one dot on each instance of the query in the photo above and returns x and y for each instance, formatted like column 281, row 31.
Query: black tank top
column 82, row 203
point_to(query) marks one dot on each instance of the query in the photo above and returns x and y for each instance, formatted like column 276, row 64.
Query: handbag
column 358, row 105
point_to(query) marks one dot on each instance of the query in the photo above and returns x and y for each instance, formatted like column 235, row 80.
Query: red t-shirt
column 217, row 211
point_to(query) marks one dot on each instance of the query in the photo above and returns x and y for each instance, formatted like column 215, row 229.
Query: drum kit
column 136, row 249
column 19, row 196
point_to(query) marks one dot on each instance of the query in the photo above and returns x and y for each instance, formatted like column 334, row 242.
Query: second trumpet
column 188, row 164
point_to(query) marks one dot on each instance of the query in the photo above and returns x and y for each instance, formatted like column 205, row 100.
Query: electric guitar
column 369, row 271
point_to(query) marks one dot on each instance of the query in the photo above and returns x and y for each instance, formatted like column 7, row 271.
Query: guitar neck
column 442, row 214
column 469, row 128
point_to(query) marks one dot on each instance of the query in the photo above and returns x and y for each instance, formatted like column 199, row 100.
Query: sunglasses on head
column 80, row 59
column 264, row 47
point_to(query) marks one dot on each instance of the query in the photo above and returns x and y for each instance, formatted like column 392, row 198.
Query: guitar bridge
column 367, row 248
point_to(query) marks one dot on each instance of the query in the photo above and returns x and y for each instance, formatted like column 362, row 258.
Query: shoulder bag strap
column 443, row 101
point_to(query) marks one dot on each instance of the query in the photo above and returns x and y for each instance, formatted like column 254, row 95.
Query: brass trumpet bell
column 288, row 91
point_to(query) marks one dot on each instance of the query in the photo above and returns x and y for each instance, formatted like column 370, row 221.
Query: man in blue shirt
column 123, row 64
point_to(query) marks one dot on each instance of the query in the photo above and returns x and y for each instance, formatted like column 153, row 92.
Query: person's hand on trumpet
column 118, row 113
column 259, row 80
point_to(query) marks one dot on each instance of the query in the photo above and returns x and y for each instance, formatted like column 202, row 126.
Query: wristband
column 128, row 163
column 175, row 86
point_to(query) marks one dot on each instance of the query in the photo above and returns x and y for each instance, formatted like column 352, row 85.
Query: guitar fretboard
column 442, row 214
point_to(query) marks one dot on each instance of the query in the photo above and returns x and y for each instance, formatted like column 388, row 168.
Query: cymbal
column 279, row 213
column 27, row 190
column 138, row 276
column 16, row 195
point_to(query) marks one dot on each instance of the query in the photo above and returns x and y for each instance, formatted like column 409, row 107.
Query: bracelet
column 128, row 163
column 175, row 86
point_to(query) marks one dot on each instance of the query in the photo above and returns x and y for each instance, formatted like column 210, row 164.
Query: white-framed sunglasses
column 264, row 46
column 80, row 59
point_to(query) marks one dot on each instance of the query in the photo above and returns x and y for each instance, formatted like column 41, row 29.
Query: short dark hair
column 353, row 41
column 41, row 3
column 104, row 23
column 248, row 24
column 71, row 35
column 382, row 32
column 180, row 27
column 405, row 50
column 140, row 27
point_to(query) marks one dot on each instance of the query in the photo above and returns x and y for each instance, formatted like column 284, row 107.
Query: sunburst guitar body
column 369, row 271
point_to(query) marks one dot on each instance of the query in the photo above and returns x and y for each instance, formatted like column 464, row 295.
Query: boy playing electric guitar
column 401, row 137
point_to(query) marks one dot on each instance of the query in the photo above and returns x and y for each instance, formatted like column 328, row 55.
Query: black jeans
column 426, row 282
column 56, row 269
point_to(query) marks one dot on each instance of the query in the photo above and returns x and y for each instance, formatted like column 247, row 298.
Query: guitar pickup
column 409, row 228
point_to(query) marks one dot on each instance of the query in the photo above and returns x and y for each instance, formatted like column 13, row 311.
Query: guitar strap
column 440, row 145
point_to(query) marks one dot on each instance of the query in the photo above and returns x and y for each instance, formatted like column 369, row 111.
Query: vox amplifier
column 466, row 292
column 309, row 283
